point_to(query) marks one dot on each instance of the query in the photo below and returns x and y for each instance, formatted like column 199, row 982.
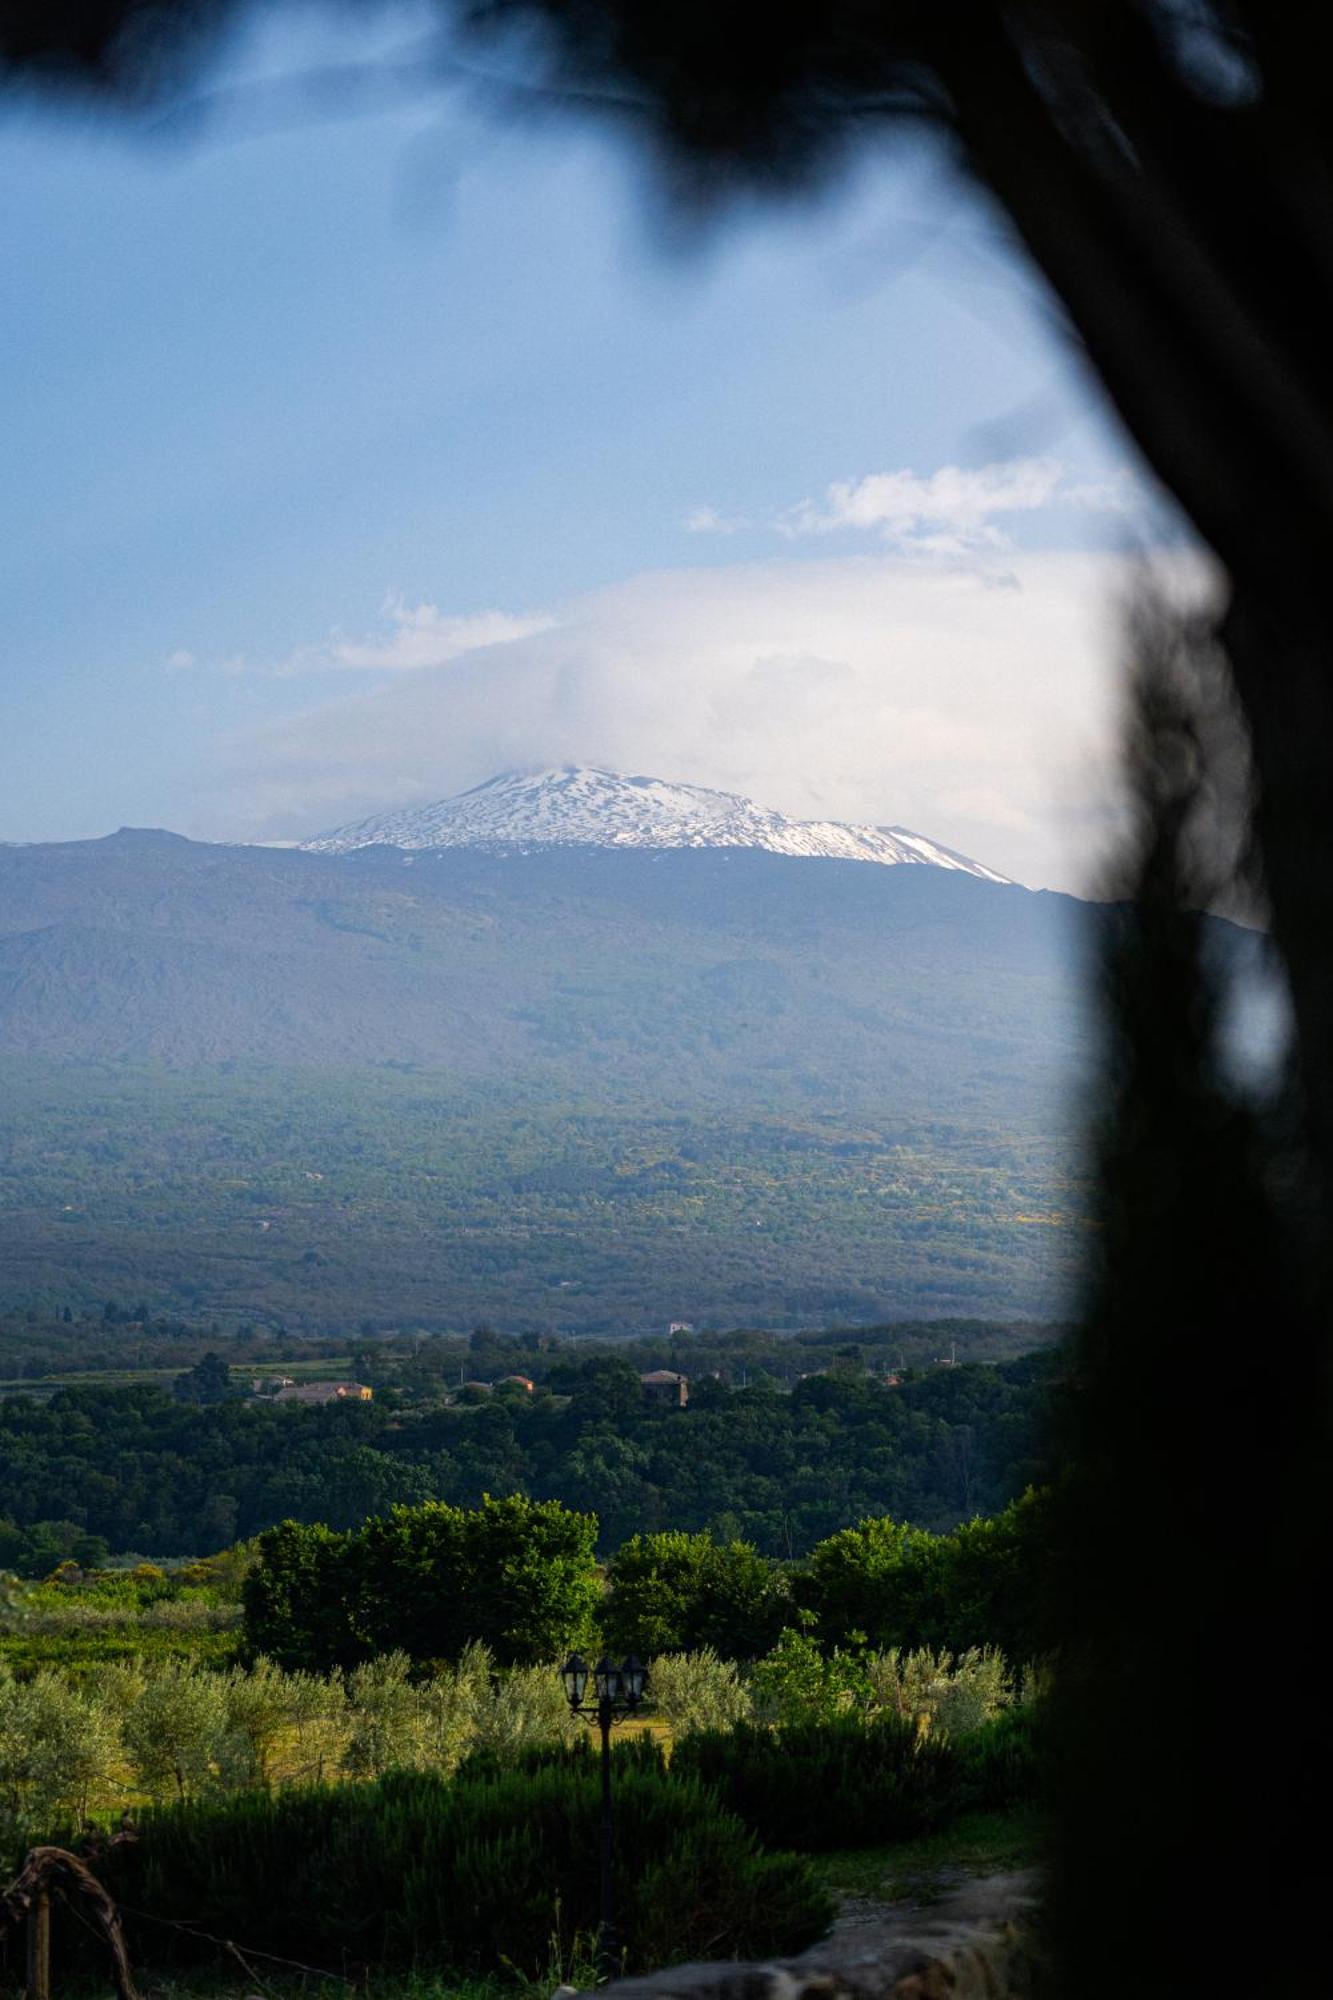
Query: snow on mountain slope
column 582, row 807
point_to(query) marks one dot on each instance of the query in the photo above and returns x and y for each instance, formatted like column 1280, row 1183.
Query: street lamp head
column 633, row 1679
column 574, row 1674
column 606, row 1679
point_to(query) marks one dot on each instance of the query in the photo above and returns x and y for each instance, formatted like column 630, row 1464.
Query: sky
column 351, row 459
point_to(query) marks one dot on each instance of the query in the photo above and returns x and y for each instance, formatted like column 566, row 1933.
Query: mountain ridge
column 586, row 806
column 144, row 944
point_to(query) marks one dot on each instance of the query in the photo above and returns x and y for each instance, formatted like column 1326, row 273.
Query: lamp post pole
column 606, row 1930
column 616, row 1692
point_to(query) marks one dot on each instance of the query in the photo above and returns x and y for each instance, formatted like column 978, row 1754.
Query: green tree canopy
column 209, row 1381
column 515, row 1575
column 679, row 1593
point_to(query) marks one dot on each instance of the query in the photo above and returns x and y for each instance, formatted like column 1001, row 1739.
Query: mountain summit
column 579, row 806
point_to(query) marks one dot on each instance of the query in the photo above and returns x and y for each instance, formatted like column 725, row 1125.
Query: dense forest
column 148, row 1470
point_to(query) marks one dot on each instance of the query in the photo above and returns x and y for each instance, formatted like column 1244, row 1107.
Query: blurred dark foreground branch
column 1194, row 1530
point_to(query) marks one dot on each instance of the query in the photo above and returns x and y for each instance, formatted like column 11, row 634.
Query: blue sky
column 345, row 456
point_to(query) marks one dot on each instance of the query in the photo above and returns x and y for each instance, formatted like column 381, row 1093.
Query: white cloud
column 420, row 635
column 179, row 661
column 867, row 688
column 708, row 521
column 954, row 513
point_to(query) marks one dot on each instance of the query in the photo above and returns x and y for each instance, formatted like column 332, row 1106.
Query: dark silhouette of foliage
column 1004, row 1763
column 209, row 1381
column 1210, row 1230
column 473, row 1877
column 823, row 1785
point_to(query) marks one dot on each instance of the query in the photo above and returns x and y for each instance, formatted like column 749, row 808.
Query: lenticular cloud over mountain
column 577, row 806
column 869, row 692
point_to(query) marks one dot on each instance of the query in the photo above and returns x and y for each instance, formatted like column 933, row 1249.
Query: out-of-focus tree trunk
column 1193, row 1516
column 1192, row 248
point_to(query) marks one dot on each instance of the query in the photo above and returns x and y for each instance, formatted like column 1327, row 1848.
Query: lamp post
column 602, row 1696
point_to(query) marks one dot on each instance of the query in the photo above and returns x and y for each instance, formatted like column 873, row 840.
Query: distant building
column 663, row 1385
column 324, row 1392
column 523, row 1381
column 269, row 1385
column 680, row 1326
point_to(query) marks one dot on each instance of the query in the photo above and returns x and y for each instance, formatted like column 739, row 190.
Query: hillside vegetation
column 585, row 1090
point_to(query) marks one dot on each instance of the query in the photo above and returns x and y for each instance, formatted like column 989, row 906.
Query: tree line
column 148, row 1473
column 521, row 1577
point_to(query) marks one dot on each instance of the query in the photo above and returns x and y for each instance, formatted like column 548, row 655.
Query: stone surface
column 968, row 1946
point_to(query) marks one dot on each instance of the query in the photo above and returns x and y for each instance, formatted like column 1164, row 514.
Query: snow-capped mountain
column 583, row 807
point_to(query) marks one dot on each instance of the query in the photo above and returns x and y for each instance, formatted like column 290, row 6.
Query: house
column 680, row 1326
column 663, row 1385
column 324, row 1392
column 523, row 1381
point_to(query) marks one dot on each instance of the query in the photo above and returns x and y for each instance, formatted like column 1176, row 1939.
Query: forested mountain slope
column 146, row 945
column 578, row 1084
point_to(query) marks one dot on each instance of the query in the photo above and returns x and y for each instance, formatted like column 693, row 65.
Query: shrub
column 55, row 1744
column 449, row 1704
column 174, row 1732
column 187, row 1615
column 257, row 1711
column 581, row 1753
column 386, row 1717
column 823, row 1785
column 520, row 1710
column 697, row 1691
column 797, row 1683
column 397, row 1722
column 469, row 1878
column 956, row 1695
column 1002, row 1764
column 222, row 1574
